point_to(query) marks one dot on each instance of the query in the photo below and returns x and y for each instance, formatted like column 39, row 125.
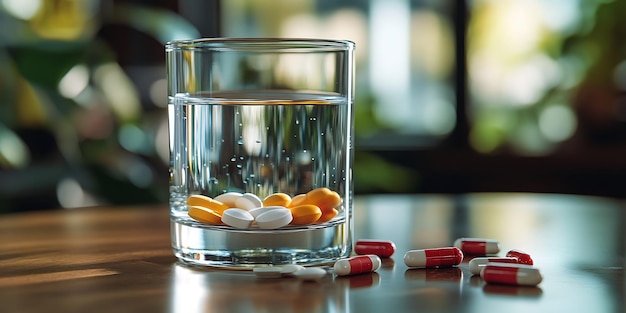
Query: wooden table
column 119, row 260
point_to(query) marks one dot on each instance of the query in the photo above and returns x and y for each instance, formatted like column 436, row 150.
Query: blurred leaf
column 161, row 24
column 372, row 172
column 46, row 62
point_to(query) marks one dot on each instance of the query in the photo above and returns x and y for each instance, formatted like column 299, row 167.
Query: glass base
column 223, row 246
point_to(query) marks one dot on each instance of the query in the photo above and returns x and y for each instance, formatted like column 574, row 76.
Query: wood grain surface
column 118, row 259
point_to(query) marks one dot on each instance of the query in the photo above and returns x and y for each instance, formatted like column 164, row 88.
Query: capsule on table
column 511, row 274
column 522, row 257
column 381, row 248
column 476, row 264
column 438, row 257
column 477, row 246
column 357, row 265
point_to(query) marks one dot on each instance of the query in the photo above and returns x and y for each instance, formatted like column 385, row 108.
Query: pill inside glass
column 260, row 137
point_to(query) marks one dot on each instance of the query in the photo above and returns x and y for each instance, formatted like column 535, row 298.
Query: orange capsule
column 204, row 215
column 298, row 200
column 324, row 198
column 277, row 199
column 327, row 216
column 206, row 202
column 305, row 214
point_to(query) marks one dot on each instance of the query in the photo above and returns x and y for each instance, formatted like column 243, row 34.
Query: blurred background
column 451, row 97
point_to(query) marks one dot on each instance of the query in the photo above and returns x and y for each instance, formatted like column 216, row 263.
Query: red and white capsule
column 381, row 248
column 438, row 257
column 522, row 257
column 511, row 274
column 476, row 264
column 477, row 246
column 357, row 265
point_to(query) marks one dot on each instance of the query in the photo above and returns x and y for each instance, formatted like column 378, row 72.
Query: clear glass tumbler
column 260, row 123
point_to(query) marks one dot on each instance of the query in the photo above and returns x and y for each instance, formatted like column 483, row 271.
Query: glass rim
column 262, row 44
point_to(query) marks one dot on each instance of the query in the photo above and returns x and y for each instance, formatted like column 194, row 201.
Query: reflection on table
column 119, row 259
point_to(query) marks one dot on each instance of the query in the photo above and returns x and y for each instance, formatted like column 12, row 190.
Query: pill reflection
column 476, row 281
column 452, row 274
column 518, row 291
column 358, row 281
column 387, row 263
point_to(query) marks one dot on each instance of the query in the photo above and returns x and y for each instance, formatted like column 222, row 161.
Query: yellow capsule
column 324, row 198
column 327, row 216
column 305, row 214
column 277, row 199
column 204, row 215
column 298, row 200
column 206, row 202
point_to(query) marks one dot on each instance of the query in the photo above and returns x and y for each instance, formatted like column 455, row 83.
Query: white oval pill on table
column 290, row 269
column 274, row 219
column 268, row 272
column 237, row 218
column 229, row 198
column 310, row 273
column 258, row 211
column 248, row 201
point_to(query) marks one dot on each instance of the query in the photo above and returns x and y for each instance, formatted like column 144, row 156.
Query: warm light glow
column 22, row 9
column 65, row 19
column 529, row 81
column 501, row 39
column 118, row 90
column 301, row 26
column 432, row 46
column 514, row 71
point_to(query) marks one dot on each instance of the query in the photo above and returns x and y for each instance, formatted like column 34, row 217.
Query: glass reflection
column 194, row 289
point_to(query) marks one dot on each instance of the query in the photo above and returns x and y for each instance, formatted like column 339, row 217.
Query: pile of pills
column 277, row 210
column 515, row 268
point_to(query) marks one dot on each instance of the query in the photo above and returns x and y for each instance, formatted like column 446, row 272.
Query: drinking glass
column 252, row 118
